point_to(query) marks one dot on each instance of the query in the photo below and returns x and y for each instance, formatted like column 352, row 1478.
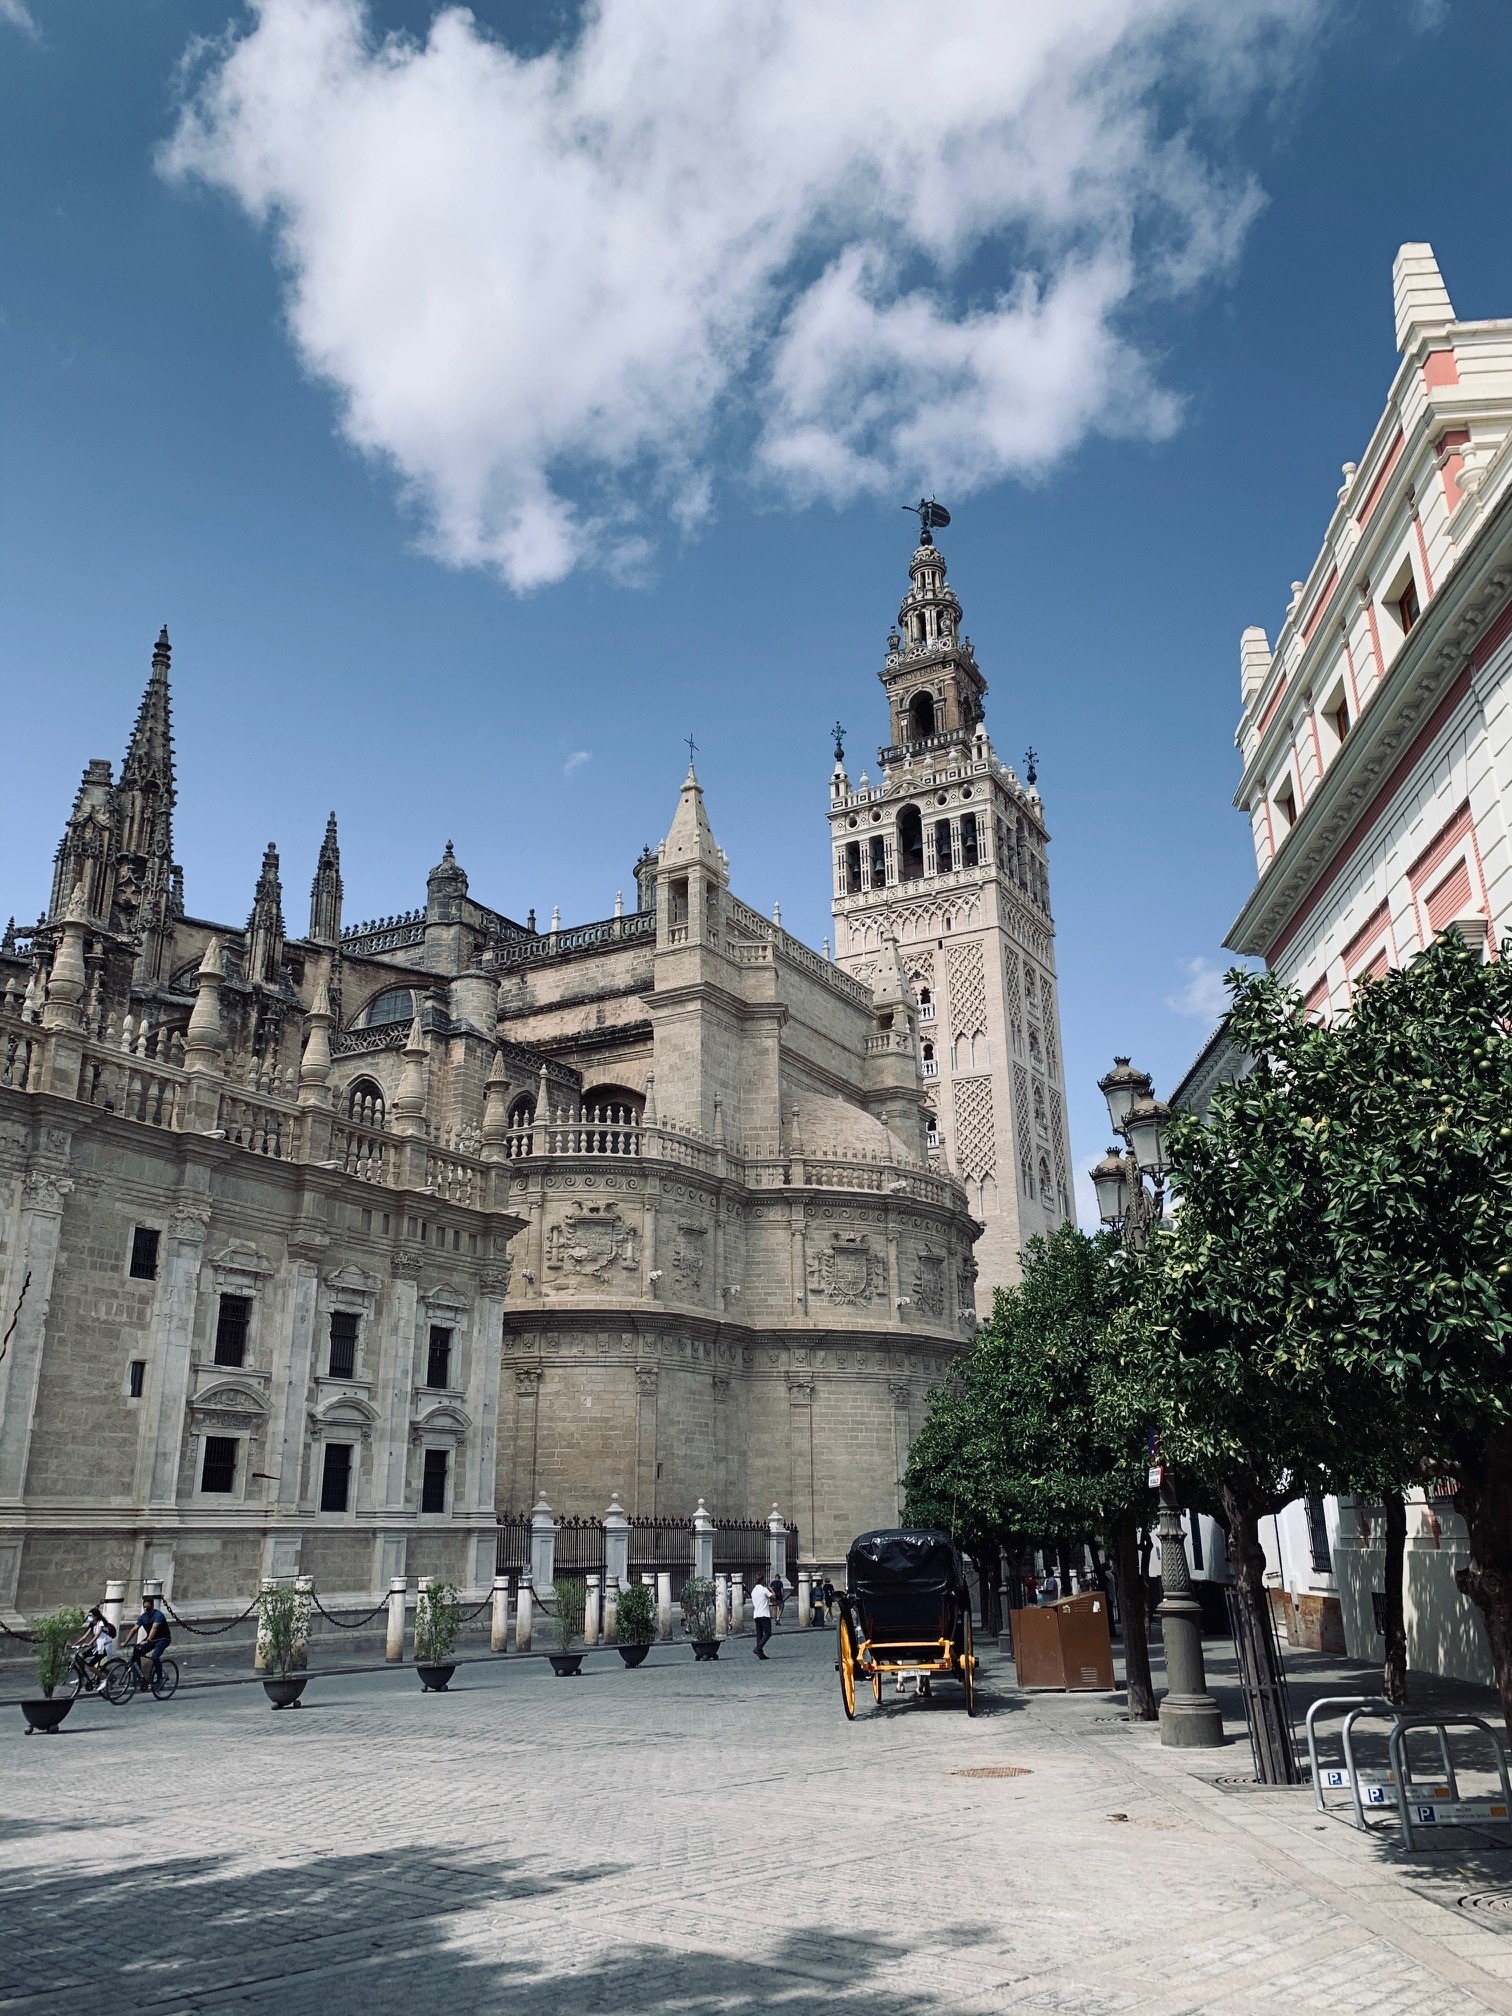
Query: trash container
column 1065, row 1645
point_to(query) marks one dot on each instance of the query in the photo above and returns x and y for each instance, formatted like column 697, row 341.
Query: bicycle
column 124, row 1677
column 86, row 1675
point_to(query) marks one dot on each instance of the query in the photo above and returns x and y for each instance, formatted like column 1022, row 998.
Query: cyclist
column 94, row 1641
column 152, row 1637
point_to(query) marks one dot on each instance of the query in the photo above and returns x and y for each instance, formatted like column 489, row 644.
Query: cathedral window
column 521, row 1121
column 336, row 1477
column 929, row 1062
column 878, row 862
column 433, row 1482
column 910, row 844
column 931, row 1130
column 144, row 1254
column 218, row 1471
column 926, row 1005
column 343, row 1360
column 395, row 1004
column 853, row 868
column 365, row 1103
column 678, row 892
column 438, row 1358
column 970, row 850
column 1046, row 1193
column 611, row 1117
column 231, row 1329
column 921, row 716
column 942, row 846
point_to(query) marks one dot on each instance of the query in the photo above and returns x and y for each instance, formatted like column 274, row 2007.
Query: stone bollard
column 304, row 1590
column 737, row 1605
column 611, row 1609
column 115, row 1598
column 525, row 1604
column 394, row 1645
column 260, row 1649
column 805, row 1596
column 498, row 1636
column 777, row 1561
column 703, row 1543
column 664, row 1604
column 423, row 1588
column 721, row 1606
column 542, row 1548
column 591, row 1612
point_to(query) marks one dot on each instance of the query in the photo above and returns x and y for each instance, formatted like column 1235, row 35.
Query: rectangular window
column 218, row 1472
column 1286, row 805
column 438, row 1365
column 1338, row 720
column 853, row 868
column 231, row 1329
column 969, row 848
column 1317, row 1534
column 343, row 1344
column 144, row 1252
column 879, row 864
column 942, row 846
column 433, row 1485
column 136, row 1378
column 1407, row 607
column 336, row 1477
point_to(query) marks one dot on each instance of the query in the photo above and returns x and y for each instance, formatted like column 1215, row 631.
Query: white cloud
column 1202, row 993
column 16, row 14
column 576, row 761
column 839, row 246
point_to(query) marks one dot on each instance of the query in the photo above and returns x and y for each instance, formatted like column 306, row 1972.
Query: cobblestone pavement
column 696, row 1839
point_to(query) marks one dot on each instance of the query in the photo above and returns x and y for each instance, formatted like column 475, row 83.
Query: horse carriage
column 906, row 1610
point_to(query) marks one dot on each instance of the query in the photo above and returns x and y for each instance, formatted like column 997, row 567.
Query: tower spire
column 325, row 890
column 265, row 926
column 148, row 881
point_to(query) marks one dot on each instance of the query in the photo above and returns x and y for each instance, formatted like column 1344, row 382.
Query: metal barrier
column 1417, row 1802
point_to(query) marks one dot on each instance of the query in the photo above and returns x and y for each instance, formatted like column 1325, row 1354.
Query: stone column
column 524, row 1608
column 611, row 1610
column 115, row 1597
column 616, row 1543
column 292, row 1365
column 398, row 1590
column 543, row 1549
column 777, row 1546
column 644, row 1500
column 260, row 1645
column 172, row 1339
column 721, row 1606
column 527, row 1406
column 304, row 1590
column 35, row 1256
column 800, row 1391
column 664, row 1603
column 902, row 1434
column 591, row 1611
column 737, row 1605
column 487, row 1355
column 394, row 1428
column 805, row 1596
column 423, row 1587
column 703, row 1543
column 498, row 1636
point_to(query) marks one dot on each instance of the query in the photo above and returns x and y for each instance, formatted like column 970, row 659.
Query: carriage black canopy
column 919, row 1559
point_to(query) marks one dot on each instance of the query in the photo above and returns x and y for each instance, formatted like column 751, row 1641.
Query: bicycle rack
column 1368, row 1786
column 1446, row 1808
column 1331, row 1778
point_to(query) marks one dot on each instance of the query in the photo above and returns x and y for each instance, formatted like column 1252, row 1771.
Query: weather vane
column 839, row 734
column 929, row 515
column 1031, row 758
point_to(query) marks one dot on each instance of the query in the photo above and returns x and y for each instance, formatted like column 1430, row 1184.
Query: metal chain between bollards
column 357, row 1623
column 217, row 1631
column 21, row 1637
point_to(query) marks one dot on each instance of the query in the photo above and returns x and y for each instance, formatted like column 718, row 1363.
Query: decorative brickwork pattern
column 968, row 988
column 975, row 1135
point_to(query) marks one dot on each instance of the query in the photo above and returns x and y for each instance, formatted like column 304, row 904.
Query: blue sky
column 366, row 615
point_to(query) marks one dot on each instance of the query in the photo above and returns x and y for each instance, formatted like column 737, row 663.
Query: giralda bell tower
column 945, row 851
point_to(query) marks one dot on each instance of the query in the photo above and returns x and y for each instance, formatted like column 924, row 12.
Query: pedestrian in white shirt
column 761, row 1610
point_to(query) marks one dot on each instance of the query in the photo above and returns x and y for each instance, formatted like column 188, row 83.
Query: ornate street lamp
column 1190, row 1719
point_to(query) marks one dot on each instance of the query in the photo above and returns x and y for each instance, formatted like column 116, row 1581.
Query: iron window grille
column 336, row 1477
column 231, row 1329
column 144, row 1253
column 343, row 1344
column 218, row 1471
column 136, row 1378
column 438, row 1362
column 433, row 1483
column 1317, row 1534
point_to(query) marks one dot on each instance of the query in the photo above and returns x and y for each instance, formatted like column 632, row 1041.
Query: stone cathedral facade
column 941, row 862
column 322, row 1247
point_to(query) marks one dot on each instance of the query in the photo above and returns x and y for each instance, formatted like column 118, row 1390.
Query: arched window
column 365, row 1103
column 1047, row 1195
column 930, row 1063
column 931, row 1130
column 926, row 1005
column 395, row 1004
column 910, row 844
column 521, row 1121
column 921, row 716
column 611, row 1121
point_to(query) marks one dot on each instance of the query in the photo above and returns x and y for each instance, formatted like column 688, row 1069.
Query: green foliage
column 569, row 1598
column 283, row 1624
column 438, row 1619
column 1041, row 1430
column 55, row 1634
column 635, row 1616
column 698, row 1607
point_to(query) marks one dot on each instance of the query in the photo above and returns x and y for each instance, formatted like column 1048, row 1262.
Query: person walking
column 779, row 1598
column 761, row 1610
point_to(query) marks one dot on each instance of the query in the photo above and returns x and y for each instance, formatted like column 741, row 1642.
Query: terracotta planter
column 633, row 1654
column 43, row 1717
column 433, row 1679
column 285, row 1691
column 566, row 1665
column 705, row 1648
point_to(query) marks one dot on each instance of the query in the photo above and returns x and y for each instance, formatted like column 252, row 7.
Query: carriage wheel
column 968, row 1669
column 847, row 1665
column 876, row 1680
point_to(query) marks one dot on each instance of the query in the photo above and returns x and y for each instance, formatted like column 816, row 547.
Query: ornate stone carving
column 45, row 1190
column 901, row 1394
column 590, row 1242
column 847, row 1272
column 405, row 1266
column 688, row 1256
column 495, row 1280
column 527, row 1381
column 929, row 1283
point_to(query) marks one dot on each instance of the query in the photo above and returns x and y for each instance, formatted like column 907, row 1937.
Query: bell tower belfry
column 945, row 851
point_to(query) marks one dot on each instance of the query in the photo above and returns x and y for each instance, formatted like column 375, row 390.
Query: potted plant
column 635, row 1623
column 438, row 1619
column 283, row 1627
column 54, row 1657
column 698, row 1616
column 564, row 1624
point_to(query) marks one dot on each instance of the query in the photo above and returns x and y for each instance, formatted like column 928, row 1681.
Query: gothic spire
column 325, row 890
column 149, row 754
column 265, row 926
column 146, row 899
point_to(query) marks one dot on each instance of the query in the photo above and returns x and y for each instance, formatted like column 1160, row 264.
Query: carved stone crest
column 688, row 1256
column 929, row 1283
column 847, row 1272
column 590, row 1242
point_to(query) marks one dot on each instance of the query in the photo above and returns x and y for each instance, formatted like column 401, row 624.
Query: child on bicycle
column 95, row 1640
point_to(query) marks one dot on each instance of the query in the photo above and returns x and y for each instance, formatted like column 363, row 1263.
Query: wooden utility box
column 1065, row 1645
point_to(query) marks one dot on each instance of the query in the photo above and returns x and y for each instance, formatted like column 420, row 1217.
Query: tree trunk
column 1393, row 1623
column 1483, row 1500
column 989, row 1588
column 1255, row 1641
column 1136, row 1623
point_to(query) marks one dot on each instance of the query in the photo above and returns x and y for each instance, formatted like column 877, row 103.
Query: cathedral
column 320, row 1251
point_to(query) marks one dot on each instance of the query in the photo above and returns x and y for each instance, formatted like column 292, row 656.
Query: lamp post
column 1190, row 1719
